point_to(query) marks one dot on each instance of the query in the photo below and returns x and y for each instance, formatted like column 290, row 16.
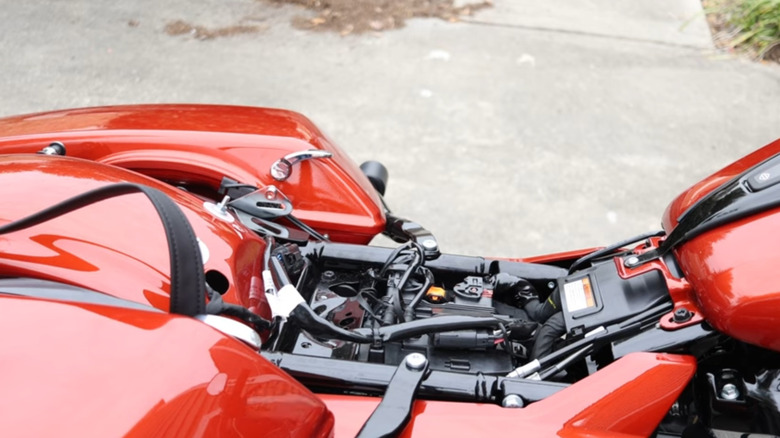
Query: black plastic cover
column 611, row 298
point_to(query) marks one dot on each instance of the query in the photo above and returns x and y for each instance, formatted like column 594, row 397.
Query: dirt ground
column 181, row 27
column 360, row 16
column 371, row 16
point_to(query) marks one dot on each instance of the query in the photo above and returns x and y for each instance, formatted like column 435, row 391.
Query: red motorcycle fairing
column 690, row 196
column 627, row 398
column 98, row 371
column 116, row 246
column 198, row 145
column 732, row 268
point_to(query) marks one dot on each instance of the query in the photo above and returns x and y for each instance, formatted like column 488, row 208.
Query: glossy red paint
column 731, row 268
column 197, row 145
column 733, row 271
column 101, row 371
column 115, row 246
column 627, row 399
column 689, row 197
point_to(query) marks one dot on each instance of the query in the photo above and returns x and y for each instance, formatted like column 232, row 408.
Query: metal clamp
column 283, row 167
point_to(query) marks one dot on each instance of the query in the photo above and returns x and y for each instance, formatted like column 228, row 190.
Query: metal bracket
column 395, row 409
column 402, row 230
column 283, row 167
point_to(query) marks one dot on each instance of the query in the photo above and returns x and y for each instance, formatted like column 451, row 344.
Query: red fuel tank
column 195, row 146
column 732, row 264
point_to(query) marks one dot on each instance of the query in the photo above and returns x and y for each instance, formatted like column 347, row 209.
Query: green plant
column 758, row 22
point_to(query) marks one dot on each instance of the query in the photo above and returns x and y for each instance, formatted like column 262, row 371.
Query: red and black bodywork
column 666, row 334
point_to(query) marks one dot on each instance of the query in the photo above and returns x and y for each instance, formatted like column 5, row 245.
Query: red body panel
column 627, row 398
column 732, row 269
column 102, row 371
column 699, row 190
column 116, row 246
column 199, row 144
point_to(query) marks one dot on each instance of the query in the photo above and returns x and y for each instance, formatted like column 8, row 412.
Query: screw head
column 512, row 401
column 729, row 391
column 415, row 361
column 631, row 261
column 682, row 315
column 271, row 193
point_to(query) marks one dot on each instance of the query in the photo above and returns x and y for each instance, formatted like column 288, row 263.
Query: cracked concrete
column 535, row 127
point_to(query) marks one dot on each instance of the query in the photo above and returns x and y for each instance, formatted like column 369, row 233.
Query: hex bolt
column 415, row 361
column 328, row 275
column 682, row 315
column 729, row 391
column 551, row 285
column 631, row 261
column 512, row 401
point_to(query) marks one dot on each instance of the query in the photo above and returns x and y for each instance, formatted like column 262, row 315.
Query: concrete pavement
column 529, row 128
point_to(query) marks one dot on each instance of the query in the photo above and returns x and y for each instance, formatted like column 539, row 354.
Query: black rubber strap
column 187, row 279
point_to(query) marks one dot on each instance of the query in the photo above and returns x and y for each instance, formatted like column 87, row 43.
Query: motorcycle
column 270, row 314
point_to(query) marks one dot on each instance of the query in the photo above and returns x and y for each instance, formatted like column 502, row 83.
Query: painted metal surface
column 98, row 371
column 197, row 145
column 116, row 246
column 689, row 197
column 732, row 269
column 626, row 399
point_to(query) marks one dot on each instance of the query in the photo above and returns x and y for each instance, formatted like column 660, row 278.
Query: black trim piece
column 728, row 203
column 655, row 338
column 403, row 230
column 326, row 374
column 188, row 285
column 394, row 411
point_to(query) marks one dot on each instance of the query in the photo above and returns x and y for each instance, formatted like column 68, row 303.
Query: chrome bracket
column 283, row 167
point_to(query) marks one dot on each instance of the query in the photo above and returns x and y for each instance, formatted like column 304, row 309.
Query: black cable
column 217, row 306
column 612, row 248
column 428, row 275
column 364, row 304
column 280, row 272
column 320, row 327
column 311, row 231
column 434, row 324
column 238, row 186
column 391, row 258
column 187, row 278
column 563, row 364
